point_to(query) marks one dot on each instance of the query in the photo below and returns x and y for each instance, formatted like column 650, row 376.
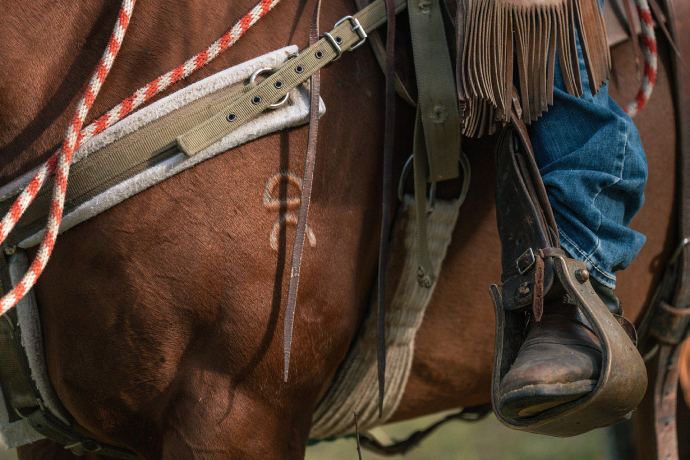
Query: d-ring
column 264, row 70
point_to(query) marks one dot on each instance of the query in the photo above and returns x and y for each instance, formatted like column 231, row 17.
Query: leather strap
column 380, row 51
column 386, row 201
column 667, row 320
column 305, row 198
column 666, row 386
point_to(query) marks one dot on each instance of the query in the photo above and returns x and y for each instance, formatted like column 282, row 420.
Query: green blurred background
column 484, row 440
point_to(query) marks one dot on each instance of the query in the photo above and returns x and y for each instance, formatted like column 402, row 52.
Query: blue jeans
column 594, row 168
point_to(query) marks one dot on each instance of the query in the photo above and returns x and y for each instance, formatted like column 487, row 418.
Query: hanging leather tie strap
column 380, row 51
column 386, row 211
column 348, row 34
column 305, row 198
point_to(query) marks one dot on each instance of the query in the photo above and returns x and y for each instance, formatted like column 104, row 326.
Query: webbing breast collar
column 209, row 126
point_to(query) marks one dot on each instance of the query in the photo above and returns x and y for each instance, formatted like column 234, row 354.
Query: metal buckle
column 525, row 264
column 356, row 27
column 259, row 72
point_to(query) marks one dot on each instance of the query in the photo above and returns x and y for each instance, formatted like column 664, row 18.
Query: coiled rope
column 59, row 163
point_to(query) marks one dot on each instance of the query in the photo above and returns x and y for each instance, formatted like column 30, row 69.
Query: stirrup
column 536, row 270
column 623, row 378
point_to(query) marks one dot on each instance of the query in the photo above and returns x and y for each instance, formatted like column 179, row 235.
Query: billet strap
column 437, row 104
column 667, row 320
column 22, row 397
column 348, row 34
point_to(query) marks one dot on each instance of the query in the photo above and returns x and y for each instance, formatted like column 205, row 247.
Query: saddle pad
column 293, row 113
column 355, row 386
column 19, row 432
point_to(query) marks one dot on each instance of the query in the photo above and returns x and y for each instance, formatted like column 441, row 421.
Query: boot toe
column 558, row 363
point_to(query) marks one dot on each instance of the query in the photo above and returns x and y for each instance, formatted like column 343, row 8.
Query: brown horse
column 162, row 316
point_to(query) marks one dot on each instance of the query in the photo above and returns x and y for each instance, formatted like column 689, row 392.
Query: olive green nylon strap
column 437, row 138
column 425, row 269
column 120, row 160
column 437, row 96
column 193, row 127
column 344, row 37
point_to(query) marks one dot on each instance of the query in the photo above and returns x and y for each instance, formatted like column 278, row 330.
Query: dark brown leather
column 666, row 322
column 559, row 362
column 525, row 221
column 665, row 388
column 386, row 200
column 305, row 199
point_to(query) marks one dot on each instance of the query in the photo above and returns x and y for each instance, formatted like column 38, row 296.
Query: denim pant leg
column 594, row 168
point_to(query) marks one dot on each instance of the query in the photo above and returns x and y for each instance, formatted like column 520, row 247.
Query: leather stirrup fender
column 535, row 268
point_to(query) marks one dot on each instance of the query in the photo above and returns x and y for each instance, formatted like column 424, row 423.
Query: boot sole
column 532, row 400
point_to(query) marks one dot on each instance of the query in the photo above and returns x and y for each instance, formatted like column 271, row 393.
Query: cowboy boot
column 558, row 362
column 563, row 364
column 559, row 359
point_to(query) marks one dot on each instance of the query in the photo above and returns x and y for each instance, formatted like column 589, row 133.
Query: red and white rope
column 650, row 58
column 59, row 163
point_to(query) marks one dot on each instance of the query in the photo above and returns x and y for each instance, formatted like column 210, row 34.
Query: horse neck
column 49, row 53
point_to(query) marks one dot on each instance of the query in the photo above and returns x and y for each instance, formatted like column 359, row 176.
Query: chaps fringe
column 525, row 34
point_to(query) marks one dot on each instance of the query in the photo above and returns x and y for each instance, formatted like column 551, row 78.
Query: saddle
column 493, row 38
